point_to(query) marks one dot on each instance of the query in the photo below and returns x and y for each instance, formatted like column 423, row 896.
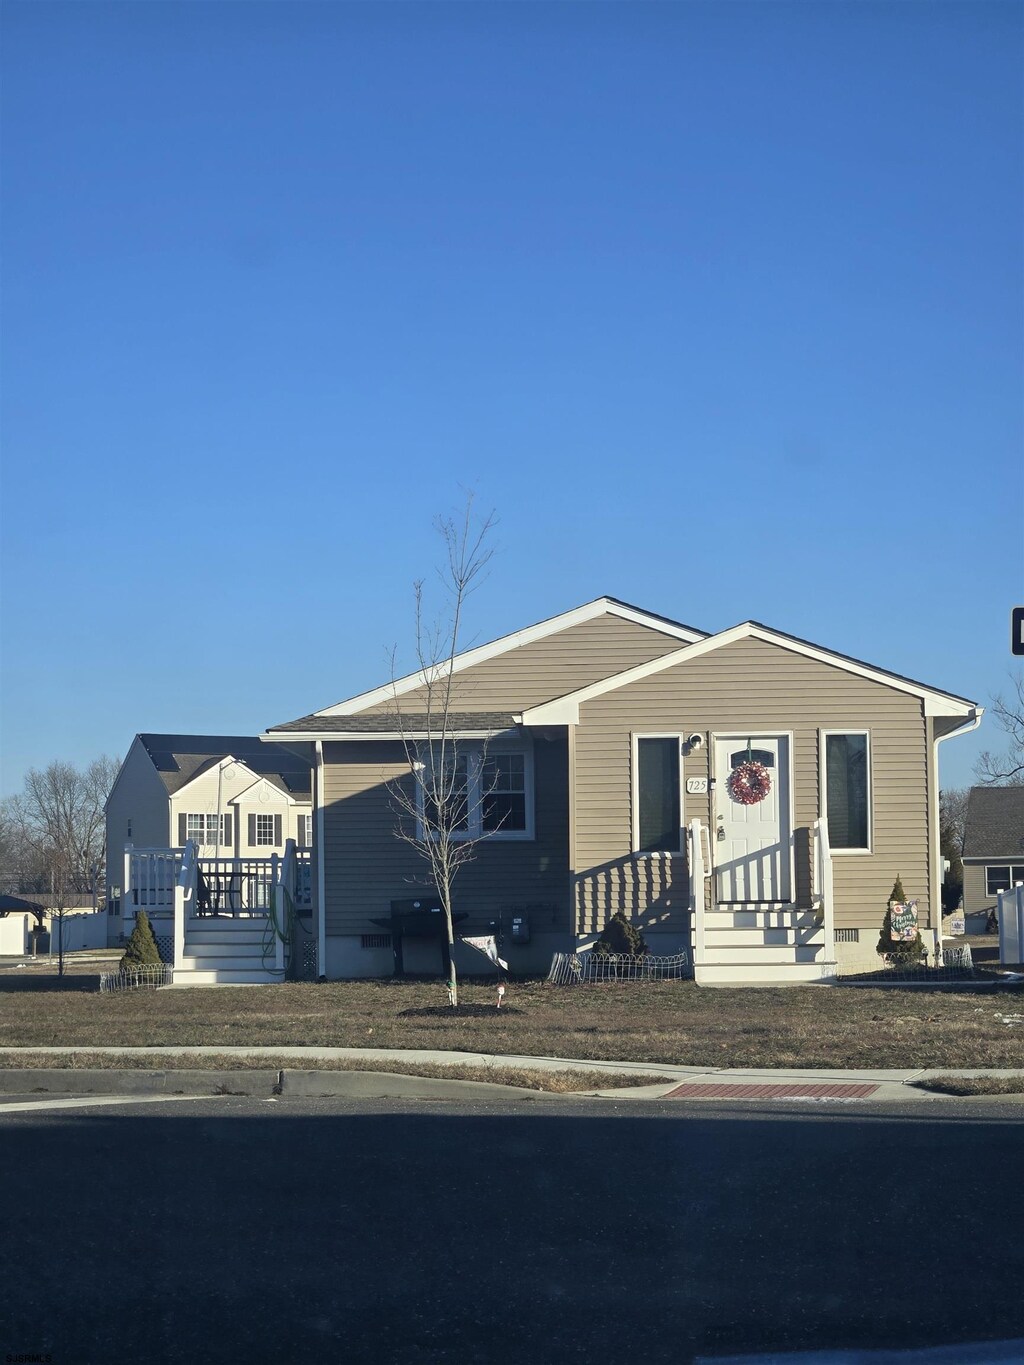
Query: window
column 491, row 792
column 203, row 829
column 847, row 790
column 264, row 830
column 305, row 831
column 1002, row 877
column 658, row 815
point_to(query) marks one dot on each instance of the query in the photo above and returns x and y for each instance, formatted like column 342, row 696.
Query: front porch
column 738, row 943
column 224, row 921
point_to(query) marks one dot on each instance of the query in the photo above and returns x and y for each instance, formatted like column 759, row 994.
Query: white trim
column 823, row 789
column 762, row 732
column 321, row 874
column 215, row 761
column 348, row 736
column 601, row 606
column 566, row 710
column 634, row 783
column 276, row 793
column 476, row 754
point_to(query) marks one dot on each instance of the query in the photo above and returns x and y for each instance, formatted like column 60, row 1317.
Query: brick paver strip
column 772, row 1090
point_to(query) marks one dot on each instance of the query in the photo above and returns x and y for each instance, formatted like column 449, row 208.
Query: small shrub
column 620, row 936
column 141, row 949
column 903, row 951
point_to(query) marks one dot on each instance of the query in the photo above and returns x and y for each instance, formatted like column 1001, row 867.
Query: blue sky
column 718, row 306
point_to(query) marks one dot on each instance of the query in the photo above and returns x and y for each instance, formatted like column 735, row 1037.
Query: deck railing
column 698, row 848
column 821, row 885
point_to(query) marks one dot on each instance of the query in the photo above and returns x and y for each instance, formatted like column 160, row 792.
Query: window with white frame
column 305, row 831
column 264, row 830
column 657, row 794
column 846, row 789
column 203, row 829
column 489, row 792
column 1001, row 876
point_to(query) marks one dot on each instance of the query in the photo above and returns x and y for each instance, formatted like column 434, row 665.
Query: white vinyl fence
column 1011, row 925
column 80, row 931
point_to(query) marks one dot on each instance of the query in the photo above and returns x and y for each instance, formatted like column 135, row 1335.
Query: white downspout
column 321, row 877
column 964, row 729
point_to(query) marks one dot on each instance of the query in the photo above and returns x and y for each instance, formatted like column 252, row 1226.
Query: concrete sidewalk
column 693, row 1082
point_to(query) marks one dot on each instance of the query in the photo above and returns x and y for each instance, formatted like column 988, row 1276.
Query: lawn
column 673, row 1022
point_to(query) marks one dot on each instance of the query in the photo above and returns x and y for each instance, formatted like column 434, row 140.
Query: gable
column 524, row 669
column 741, row 673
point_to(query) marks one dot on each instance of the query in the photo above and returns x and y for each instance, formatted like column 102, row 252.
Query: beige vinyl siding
column 548, row 668
column 367, row 866
column 750, row 687
column 976, row 897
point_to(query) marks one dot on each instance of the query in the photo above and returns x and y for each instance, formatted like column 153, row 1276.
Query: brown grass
column 526, row 1078
column 974, row 1085
column 672, row 1022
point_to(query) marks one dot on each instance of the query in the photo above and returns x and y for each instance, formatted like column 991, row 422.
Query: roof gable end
column 601, row 606
column 565, row 710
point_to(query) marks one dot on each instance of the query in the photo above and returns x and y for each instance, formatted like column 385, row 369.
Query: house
column 993, row 854
column 745, row 796
column 237, row 799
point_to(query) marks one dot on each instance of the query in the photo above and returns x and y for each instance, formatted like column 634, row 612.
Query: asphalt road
column 546, row 1230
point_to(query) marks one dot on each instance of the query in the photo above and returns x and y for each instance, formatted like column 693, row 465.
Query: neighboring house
column 237, row 798
column 993, row 850
column 611, row 737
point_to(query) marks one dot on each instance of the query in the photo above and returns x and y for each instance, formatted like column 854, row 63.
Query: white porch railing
column 698, row 847
column 1011, row 925
column 822, row 893
column 177, row 885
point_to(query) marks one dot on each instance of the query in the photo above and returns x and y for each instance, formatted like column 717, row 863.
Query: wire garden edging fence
column 139, row 978
column 576, row 969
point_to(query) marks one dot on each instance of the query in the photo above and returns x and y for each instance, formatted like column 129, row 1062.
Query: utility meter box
column 520, row 929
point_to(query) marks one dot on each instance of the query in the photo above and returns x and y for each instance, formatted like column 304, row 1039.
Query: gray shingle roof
column 385, row 722
column 180, row 758
column 995, row 823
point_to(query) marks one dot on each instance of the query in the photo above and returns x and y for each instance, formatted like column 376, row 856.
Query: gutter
column 970, row 724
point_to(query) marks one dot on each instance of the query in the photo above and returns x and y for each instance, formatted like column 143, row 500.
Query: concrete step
column 759, row 973
column 738, row 938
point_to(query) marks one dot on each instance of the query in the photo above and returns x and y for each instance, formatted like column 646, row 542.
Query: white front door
column 751, row 842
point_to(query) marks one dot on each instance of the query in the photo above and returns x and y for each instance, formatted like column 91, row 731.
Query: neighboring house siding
column 140, row 796
column 762, row 688
column 366, row 866
column 976, row 898
column 551, row 667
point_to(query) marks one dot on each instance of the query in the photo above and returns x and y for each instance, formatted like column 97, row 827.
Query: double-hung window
column 203, row 829
column 265, row 831
column 479, row 792
column 657, row 794
column 1001, row 876
column 846, row 789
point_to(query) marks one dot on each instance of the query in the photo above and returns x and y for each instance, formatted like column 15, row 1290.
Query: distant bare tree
column 55, row 831
column 439, row 807
column 1006, row 769
column 952, row 819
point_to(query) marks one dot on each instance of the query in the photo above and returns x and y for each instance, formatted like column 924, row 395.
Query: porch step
column 224, row 976
column 754, row 917
column 757, row 972
column 226, row 943
column 251, row 962
column 771, row 954
column 741, row 938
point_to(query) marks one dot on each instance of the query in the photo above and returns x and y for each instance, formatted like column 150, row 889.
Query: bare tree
column 56, row 827
column 1006, row 769
column 438, row 804
column 952, row 820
